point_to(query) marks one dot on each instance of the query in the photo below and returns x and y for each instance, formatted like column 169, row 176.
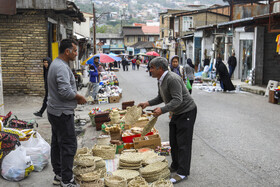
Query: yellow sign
column 182, row 44
column 54, row 50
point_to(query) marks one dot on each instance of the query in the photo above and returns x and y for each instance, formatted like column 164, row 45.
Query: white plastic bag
column 39, row 151
column 16, row 165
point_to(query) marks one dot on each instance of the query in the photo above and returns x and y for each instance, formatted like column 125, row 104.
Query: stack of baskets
column 130, row 161
column 138, row 182
column 153, row 159
column 86, row 171
column 104, row 151
column 100, row 165
column 155, row 171
column 127, row 174
column 162, row 183
column 115, row 181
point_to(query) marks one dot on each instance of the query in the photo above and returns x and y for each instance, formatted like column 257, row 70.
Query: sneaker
column 38, row 114
column 56, row 180
column 71, row 183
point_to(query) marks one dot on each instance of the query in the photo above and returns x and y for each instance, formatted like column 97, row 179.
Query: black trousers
column 63, row 145
column 191, row 81
column 180, row 136
column 44, row 106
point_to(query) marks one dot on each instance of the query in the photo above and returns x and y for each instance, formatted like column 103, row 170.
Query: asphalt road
column 235, row 139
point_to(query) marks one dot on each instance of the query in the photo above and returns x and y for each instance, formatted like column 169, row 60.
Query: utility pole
column 94, row 29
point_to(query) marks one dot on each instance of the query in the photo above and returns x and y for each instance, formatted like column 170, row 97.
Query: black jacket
column 46, row 71
column 232, row 61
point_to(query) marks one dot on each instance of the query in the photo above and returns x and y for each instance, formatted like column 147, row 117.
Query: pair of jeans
column 231, row 70
column 180, row 136
column 133, row 66
column 63, row 145
column 95, row 89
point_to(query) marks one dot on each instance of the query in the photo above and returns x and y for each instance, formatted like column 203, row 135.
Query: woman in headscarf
column 176, row 68
column 222, row 71
column 46, row 65
column 189, row 69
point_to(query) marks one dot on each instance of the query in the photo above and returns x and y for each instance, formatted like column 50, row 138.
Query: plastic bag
column 188, row 85
column 16, row 165
column 39, row 151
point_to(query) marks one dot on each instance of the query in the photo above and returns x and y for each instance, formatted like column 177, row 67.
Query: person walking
column 138, row 62
column 231, row 64
column 173, row 92
column 46, row 65
column 62, row 101
column 124, row 64
column 189, row 69
column 176, row 68
column 224, row 78
column 94, row 80
column 133, row 61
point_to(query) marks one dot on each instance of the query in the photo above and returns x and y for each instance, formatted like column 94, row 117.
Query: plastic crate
column 103, row 100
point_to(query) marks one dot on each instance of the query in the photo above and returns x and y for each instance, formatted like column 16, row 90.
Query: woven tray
column 127, row 174
column 131, row 158
column 158, row 174
column 162, row 183
column 82, row 152
column 164, row 175
column 129, row 168
column 104, row 151
column 100, row 164
column 95, row 183
column 78, row 170
column 84, row 161
column 129, row 164
column 88, row 177
column 154, row 168
column 154, row 159
column 138, row 182
column 115, row 181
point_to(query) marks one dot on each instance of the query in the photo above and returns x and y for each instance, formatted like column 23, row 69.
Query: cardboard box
column 271, row 97
column 103, row 100
column 114, row 99
column 151, row 141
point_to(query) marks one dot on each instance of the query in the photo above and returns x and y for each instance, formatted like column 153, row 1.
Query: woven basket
column 131, row 158
column 95, row 183
column 127, row 174
column 78, row 170
column 164, row 174
column 162, row 183
column 88, row 177
column 82, row 151
column 104, row 151
column 103, row 140
column 87, row 160
column 154, row 160
column 154, row 168
column 115, row 181
column 138, row 182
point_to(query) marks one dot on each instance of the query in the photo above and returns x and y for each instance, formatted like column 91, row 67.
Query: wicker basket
column 103, row 140
column 115, row 181
column 138, row 182
column 104, row 151
column 88, row 177
column 162, row 183
column 127, row 174
column 78, row 170
column 95, row 183
column 82, row 152
column 87, row 160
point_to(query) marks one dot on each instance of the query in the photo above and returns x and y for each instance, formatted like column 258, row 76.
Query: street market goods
column 162, row 183
column 127, row 174
column 104, row 151
column 115, row 181
column 17, row 165
column 149, row 126
column 38, row 150
column 86, row 160
column 90, row 176
column 78, row 170
column 132, row 115
column 155, row 171
column 138, row 182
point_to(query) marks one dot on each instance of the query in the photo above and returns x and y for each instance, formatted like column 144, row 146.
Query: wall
column 24, row 44
column 83, row 28
column 126, row 43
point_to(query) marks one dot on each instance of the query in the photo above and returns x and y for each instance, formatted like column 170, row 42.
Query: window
column 162, row 20
column 114, row 42
column 130, row 39
column 151, row 39
column 176, row 25
column 139, row 39
column 187, row 23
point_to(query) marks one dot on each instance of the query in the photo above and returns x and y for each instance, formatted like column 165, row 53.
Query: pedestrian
column 138, row 62
column 189, row 69
column 176, row 68
column 94, row 80
column 231, row 64
column 173, row 92
column 46, row 65
column 124, row 64
column 62, row 101
column 119, row 64
column 133, row 61
column 224, row 78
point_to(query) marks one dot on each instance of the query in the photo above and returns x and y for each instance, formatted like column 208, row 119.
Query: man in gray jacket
column 172, row 91
column 62, row 101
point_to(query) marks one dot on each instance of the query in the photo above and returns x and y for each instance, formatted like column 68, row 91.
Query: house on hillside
column 29, row 32
column 110, row 43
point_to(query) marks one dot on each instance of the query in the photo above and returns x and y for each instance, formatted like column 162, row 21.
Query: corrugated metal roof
column 132, row 31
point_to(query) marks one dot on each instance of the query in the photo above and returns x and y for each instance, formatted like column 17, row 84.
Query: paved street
column 236, row 137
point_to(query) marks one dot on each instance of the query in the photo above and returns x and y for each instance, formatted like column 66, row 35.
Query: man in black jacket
column 231, row 64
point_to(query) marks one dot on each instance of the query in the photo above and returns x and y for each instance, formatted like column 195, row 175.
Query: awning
column 120, row 49
column 188, row 36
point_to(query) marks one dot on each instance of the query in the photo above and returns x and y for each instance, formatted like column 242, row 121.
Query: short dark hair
column 159, row 62
column 66, row 44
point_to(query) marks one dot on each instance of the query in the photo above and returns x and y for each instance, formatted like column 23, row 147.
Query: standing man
column 133, row 61
column 62, row 101
column 172, row 91
column 231, row 64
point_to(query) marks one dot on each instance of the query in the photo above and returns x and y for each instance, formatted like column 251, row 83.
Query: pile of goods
column 88, row 169
column 131, row 161
column 22, row 149
column 154, row 171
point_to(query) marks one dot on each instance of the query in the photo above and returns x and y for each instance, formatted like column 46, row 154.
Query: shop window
column 245, row 58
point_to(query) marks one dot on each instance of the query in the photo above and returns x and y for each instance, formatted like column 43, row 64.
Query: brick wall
column 24, row 43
